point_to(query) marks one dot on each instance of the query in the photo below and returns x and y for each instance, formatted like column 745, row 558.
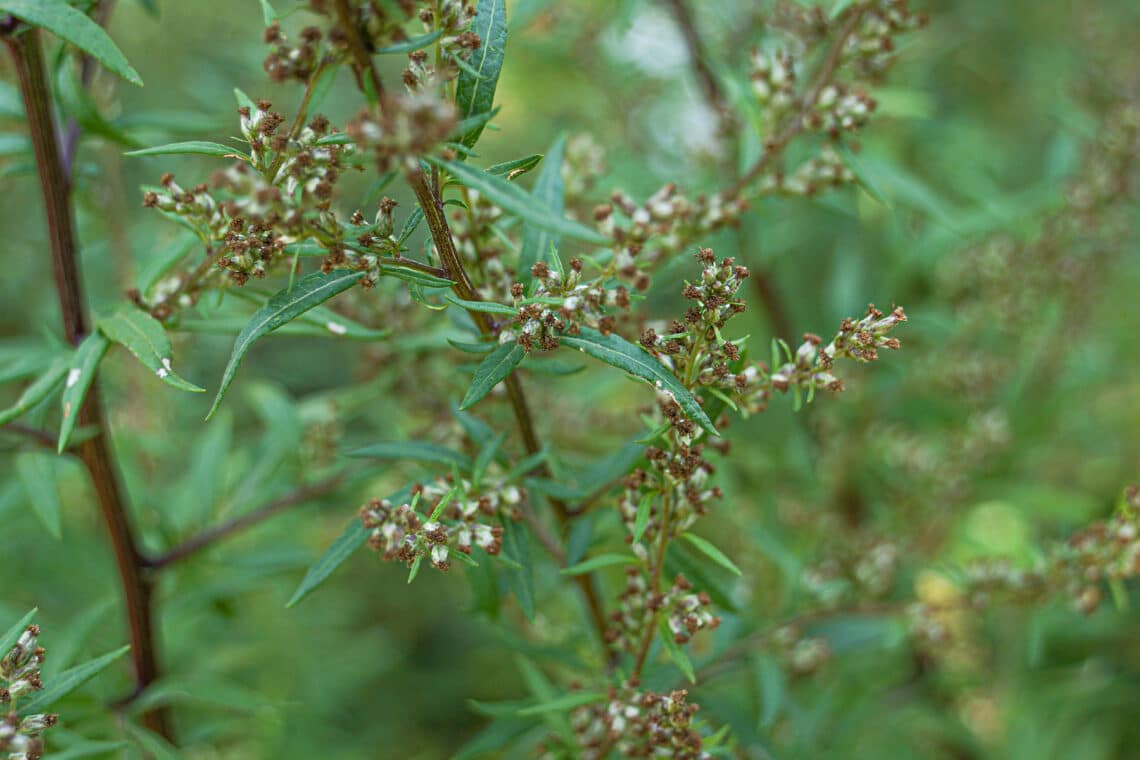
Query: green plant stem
column 95, row 452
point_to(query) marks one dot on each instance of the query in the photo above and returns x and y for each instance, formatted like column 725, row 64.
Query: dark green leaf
column 597, row 562
column 80, row 373
column 491, row 371
column 190, row 147
column 537, row 243
column 521, row 581
column 283, row 307
column 415, row 451
column 145, row 337
column 512, row 169
column 410, row 224
column 37, row 473
column 414, row 276
column 518, row 202
column 354, row 537
column 412, row 43
column 472, row 348
column 564, row 703
column 475, row 88
column 12, row 635
column 618, row 352
column 486, row 307
column 713, row 553
column 644, row 507
column 75, row 27
column 38, row 390
column 70, row 680
column 675, row 651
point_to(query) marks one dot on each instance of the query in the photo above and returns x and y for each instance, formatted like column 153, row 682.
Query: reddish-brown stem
column 95, row 452
column 698, row 59
column 361, row 50
column 214, row 534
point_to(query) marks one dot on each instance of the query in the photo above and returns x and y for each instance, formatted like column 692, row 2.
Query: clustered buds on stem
column 400, row 533
column 636, row 723
column 20, row 736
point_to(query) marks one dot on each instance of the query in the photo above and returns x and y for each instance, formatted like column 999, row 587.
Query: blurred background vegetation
column 1010, row 419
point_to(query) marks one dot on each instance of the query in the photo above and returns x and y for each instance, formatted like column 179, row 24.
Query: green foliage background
column 983, row 124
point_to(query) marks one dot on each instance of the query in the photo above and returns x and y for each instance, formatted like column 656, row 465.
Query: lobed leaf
column 492, row 370
column 145, row 337
column 75, row 27
column 618, row 352
column 282, row 308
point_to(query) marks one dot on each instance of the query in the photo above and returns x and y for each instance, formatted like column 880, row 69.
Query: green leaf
column 486, row 307
column 283, row 307
column 475, row 88
column 415, row 451
column 491, row 371
column 145, row 337
column 565, row 703
column 268, row 14
column 12, row 635
column 517, row 201
column 597, row 562
column 512, row 169
column 354, row 537
column 618, row 352
column 716, row 555
column 862, row 178
column 549, row 191
column 642, row 520
column 675, row 651
column 410, row 224
column 88, row 749
column 520, row 581
column 414, row 276
column 75, row 27
column 38, row 390
column 412, row 43
column 471, row 348
column 190, row 147
column 37, row 473
column 70, row 680
column 80, row 374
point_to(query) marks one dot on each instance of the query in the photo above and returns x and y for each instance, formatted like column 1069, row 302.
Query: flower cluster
column 20, row 736
column 459, row 519
column 411, row 125
column 561, row 303
column 684, row 611
column 639, row 724
column 454, row 44
column 287, row 61
column 865, row 574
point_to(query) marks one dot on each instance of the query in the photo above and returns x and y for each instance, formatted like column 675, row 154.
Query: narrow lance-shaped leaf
column 190, row 147
column 39, row 390
column 75, row 27
column 415, row 451
column 491, row 371
column 675, row 651
column 475, row 89
column 709, row 550
column 354, row 537
column 618, row 352
column 565, row 703
column 412, row 43
column 70, row 680
column 12, row 635
column 80, row 373
column 486, row 307
column 37, row 473
column 145, row 337
column 517, row 201
column 283, row 307
column 512, row 169
column 549, row 191
column 598, row 562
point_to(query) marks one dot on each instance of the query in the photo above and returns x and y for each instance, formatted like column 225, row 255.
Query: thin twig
column 95, row 452
column 226, row 529
column 775, row 146
column 698, row 59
